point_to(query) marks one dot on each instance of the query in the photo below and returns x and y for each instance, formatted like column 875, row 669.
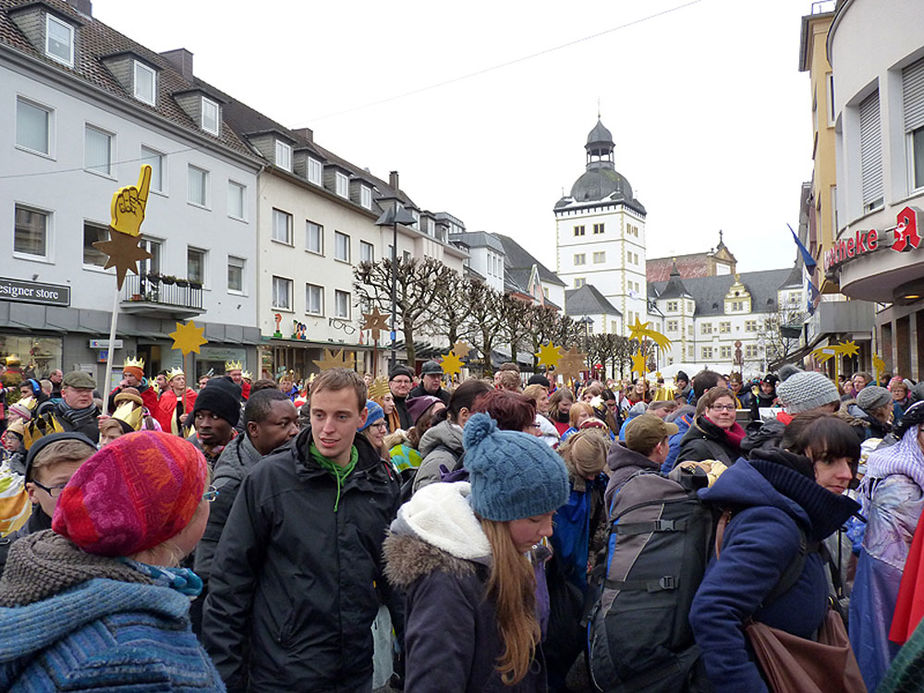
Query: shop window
column 40, row 354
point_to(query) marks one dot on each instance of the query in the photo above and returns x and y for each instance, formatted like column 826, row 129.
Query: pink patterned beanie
column 132, row 495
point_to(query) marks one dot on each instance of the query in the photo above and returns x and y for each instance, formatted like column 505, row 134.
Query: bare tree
column 417, row 282
column 514, row 318
column 483, row 304
column 778, row 333
column 449, row 312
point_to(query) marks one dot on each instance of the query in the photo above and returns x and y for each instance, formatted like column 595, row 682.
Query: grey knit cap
column 806, row 390
column 872, row 397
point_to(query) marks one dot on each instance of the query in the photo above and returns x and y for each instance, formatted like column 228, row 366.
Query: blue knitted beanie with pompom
column 513, row 475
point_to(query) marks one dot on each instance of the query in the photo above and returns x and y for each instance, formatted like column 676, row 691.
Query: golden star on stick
column 549, row 355
column 461, row 349
column 822, row 354
column 378, row 388
column 375, row 321
column 338, row 360
column 451, row 363
column 878, row 363
column 188, row 337
column 572, row 362
column 639, row 363
column 123, row 252
column 849, row 348
column 640, row 330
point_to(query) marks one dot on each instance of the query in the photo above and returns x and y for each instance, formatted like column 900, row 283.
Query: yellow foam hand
column 128, row 204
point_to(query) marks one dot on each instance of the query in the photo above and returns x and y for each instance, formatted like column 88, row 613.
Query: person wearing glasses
column 400, row 381
column 99, row 600
column 375, row 429
column 50, row 463
column 714, row 435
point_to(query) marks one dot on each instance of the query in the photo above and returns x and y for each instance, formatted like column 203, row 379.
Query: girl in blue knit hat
column 460, row 551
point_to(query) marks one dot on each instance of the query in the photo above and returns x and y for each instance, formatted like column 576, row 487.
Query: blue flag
column 814, row 295
column 807, row 258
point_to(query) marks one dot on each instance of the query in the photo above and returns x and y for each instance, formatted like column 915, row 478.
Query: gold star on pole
column 461, row 349
column 639, row 363
column 849, row 348
column 375, row 321
column 188, row 337
column 378, row 388
column 451, row 364
column 640, row 331
column 338, row 360
column 549, row 355
column 822, row 354
column 122, row 252
column 572, row 362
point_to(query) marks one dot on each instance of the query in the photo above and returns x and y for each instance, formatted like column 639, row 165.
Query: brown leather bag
column 796, row 665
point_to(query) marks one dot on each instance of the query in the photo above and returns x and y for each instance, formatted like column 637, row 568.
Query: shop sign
column 104, row 344
column 906, row 235
column 33, row 292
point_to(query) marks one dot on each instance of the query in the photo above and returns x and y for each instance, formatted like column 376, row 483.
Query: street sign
column 34, row 292
column 104, row 344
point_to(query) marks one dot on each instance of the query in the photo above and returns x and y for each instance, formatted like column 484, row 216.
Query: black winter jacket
column 419, row 391
column 293, row 589
column 706, row 441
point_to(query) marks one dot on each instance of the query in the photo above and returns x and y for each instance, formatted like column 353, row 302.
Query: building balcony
column 840, row 318
column 161, row 296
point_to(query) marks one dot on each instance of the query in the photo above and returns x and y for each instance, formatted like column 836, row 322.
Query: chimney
column 85, row 7
column 305, row 133
column 182, row 61
column 393, row 180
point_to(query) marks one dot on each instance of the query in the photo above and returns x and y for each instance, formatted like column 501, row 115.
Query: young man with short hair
column 50, row 463
column 645, row 449
column 295, row 577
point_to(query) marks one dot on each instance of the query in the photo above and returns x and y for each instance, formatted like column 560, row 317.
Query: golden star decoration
column 378, row 388
column 338, row 360
column 122, row 252
column 822, row 354
column 639, row 363
column 878, row 363
column 451, row 364
column 188, row 337
column 549, row 355
column 572, row 362
column 849, row 348
column 640, row 331
column 375, row 321
column 461, row 349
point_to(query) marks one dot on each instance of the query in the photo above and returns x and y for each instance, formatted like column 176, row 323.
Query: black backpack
column 661, row 538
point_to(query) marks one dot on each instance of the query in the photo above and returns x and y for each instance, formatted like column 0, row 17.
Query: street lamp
column 394, row 215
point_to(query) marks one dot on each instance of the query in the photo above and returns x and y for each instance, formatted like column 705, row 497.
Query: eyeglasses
column 210, row 495
column 401, row 381
column 53, row 491
column 380, row 424
column 723, row 407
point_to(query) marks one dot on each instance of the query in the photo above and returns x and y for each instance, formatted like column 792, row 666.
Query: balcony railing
column 161, row 294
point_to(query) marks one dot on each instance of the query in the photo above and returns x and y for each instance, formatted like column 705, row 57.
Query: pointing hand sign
column 128, row 204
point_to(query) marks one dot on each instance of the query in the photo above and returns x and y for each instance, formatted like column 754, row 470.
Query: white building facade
column 600, row 232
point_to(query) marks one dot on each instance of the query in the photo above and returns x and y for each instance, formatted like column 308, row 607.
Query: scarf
column 77, row 417
column 335, row 470
column 905, row 457
column 43, row 564
column 735, row 435
column 183, row 580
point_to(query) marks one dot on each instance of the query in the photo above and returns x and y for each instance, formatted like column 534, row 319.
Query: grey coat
column 442, row 444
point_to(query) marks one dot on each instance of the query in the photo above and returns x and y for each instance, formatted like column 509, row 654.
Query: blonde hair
column 509, row 380
column 61, row 451
column 512, row 585
column 577, row 409
column 534, row 392
column 585, row 452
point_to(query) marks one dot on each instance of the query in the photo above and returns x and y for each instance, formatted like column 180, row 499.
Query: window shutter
column 913, row 95
column 870, row 149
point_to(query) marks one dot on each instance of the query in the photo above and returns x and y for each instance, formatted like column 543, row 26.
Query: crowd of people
column 347, row 532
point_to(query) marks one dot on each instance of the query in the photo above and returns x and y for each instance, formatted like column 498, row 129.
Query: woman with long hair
column 459, row 551
column 97, row 603
column 559, row 407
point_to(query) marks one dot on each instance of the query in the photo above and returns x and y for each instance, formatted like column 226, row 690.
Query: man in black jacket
column 431, row 383
column 297, row 575
column 400, row 380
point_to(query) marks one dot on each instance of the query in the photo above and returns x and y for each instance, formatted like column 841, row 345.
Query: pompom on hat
column 513, row 475
column 134, row 494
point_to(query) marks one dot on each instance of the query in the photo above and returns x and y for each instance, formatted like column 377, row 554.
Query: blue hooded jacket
column 772, row 501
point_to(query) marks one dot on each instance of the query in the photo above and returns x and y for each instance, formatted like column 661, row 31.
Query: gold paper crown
column 136, row 361
column 174, row 372
column 130, row 414
column 38, row 428
column 378, row 388
column 247, row 375
column 233, row 366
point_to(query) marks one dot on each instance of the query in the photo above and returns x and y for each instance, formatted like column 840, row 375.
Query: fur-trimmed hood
column 852, row 415
column 435, row 530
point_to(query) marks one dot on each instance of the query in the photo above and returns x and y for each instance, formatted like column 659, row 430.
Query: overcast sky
column 710, row 115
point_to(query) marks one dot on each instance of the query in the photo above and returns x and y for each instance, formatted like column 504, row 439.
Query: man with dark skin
column 214, row 416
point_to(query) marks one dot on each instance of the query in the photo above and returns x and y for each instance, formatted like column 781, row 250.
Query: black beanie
column 219, row 401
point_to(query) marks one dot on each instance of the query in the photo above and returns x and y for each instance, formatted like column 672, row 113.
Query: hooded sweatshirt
column 440, row 445
column 440, row 557
column 773, row 502
column 623, row 463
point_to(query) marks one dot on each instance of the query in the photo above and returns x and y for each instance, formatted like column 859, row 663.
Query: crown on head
column 134, row 361
column 40, row 426
column 233, row 366
column 174, row 372
column 247, row 375
column 130, row 414
column 378, row 388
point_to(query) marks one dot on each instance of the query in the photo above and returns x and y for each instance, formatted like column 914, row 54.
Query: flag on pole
column 814, row 295
column 807, row 258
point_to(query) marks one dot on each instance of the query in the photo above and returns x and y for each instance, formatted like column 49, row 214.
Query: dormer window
column 210, row 122
column 59, row 40
column 283, row 155
column 145, row 84
column 365, row 197
column 315, row 172
column 343, row 185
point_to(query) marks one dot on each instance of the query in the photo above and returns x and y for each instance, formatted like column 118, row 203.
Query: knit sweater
column 63, row 630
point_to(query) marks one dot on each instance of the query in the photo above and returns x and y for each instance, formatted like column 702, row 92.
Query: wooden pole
column 112, row 332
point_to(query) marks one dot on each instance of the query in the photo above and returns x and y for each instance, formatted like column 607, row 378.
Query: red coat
column 148, row 398
column 167, row 406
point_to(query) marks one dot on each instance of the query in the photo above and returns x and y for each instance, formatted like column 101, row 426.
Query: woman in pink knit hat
column 99, row 600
